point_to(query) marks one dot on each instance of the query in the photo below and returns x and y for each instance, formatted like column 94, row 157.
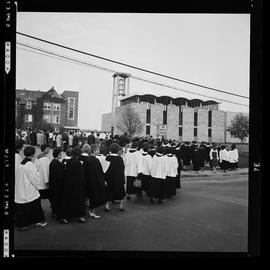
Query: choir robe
column 73, row 196
column 158, row 176
column 196, row 160
column 178, row 155
column 94, row 181
column 146, row 171
column 27, row 198
column 56, row 182
column 115, row 178
column 133, row 170
column 224, row 159
column 172, row 172
column 104, row 163
column 33, row 138
column 233, row 159
column 187, row 155
column 43, row 163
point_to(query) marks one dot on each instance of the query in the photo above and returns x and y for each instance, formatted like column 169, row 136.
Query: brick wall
column 74, row 94
column 172, row 122
column 202, row 125
column 188, row 124
column 218, row 119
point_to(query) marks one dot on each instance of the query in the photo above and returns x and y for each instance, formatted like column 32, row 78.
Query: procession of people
column 87, row 173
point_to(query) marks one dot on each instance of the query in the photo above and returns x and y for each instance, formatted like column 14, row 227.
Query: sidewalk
column 187, row 175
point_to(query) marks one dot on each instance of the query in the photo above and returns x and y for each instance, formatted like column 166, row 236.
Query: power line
column 82, row 63
column 131, row 66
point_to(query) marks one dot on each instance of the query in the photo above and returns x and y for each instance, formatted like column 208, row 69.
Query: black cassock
column 178, row 155
column 94, row 181
column 196, row 160
column 115, row 178
column 56, row 171
column 33, row 138
column 73, row 196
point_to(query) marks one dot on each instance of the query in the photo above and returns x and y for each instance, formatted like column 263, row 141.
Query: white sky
column 208, row 49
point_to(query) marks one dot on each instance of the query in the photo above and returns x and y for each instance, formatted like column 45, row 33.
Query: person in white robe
column 133, row 170
column 172, row 172
column 233, row 157
column 43, row 164
column 158, row 175
column 27, row 197
column 224, row 158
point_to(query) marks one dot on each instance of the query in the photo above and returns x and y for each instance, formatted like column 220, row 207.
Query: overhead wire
column 47, row 53
column 131, row 66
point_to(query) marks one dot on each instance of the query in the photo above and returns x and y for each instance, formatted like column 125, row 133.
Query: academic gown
column 33, row 138
column 73, row 196
column 94, row 181
column 178, row 155
column 56, row 182
column 196, row 160
column 115, row 178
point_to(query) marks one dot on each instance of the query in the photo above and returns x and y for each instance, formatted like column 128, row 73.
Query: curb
column 212, row 175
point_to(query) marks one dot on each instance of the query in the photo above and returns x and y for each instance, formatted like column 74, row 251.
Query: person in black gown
column 56, row 170
column 94, row 177
column 73, row 196
column 115, row 178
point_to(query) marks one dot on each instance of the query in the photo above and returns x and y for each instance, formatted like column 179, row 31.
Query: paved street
column 204, row 216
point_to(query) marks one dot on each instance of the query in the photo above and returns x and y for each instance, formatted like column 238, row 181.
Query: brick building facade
column 34, row 107
column 175, row 118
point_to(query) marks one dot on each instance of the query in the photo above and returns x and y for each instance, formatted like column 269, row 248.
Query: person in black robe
column 33, row 138
column 65, row 140
column 201, row 156
column 94, row 177
column 178, row 154
column 56, row 170
column 91, row 138
column 73, row 196
column 187, row 155
column 115, row 178
column 196, row 159
column 207, row 153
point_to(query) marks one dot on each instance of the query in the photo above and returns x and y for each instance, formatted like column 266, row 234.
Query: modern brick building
column 59, row 110
column 173, row 118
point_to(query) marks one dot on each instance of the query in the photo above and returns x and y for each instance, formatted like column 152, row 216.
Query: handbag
column 137, row 183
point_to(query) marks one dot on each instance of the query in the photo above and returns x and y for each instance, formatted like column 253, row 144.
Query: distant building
column 172, row 118
column 59, row 110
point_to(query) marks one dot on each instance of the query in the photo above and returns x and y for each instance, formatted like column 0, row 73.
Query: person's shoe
column 107, row 209
column 41, row 224
column 82, row 220
column 122, row 208
column 94, row 215
column 24, row 228
column 64, row 221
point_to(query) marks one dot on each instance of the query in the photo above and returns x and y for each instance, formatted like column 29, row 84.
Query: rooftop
column 165, row 100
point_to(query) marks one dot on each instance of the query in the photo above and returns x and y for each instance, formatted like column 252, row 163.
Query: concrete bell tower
column 120, row 89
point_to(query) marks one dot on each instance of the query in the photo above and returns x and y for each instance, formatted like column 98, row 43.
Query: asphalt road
column 203, row 216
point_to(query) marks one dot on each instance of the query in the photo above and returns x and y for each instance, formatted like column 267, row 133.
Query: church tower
column 120, row 89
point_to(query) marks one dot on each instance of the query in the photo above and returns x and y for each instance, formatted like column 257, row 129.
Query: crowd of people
column 103, row 172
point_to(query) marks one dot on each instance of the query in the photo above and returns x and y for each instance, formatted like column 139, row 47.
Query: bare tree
column 239, row 127
column 130, row 121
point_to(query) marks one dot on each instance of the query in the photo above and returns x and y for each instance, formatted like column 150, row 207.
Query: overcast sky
column 207, row 49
